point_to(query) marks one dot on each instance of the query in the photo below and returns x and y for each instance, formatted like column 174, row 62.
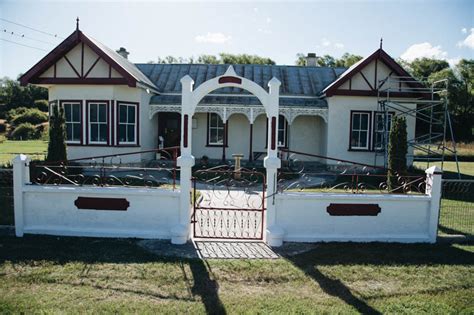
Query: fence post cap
column 20, row 158
column 434, row 170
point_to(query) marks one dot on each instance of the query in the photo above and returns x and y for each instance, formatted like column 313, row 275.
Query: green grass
column 36, row 149
column 87, row 275
column 466, row 168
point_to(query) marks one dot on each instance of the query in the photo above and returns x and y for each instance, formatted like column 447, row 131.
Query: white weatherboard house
column 115, row 106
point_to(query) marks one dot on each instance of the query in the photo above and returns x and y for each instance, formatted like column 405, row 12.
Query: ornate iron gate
column 228, row 203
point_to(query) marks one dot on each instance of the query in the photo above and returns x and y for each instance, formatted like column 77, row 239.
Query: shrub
column 25, row 131
column 42, row 105
column 397, row 151
column 12, row 113
column 3, row 127
column 33, row 116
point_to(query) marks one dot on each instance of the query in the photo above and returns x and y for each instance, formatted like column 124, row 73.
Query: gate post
column 21, row 176
column 274, row 233
column 181, row 232
column 433, row 189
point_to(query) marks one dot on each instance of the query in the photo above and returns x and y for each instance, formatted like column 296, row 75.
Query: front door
column 169, row 128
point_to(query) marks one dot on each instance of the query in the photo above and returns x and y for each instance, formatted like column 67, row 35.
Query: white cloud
column 424, row 50
column 255, row 9
column 269, row 20
column 453, row 61
column 468, row 41
column 325, row 42
column 339, row 45
column 264, row 31
column 213, row 38
column 464, row 30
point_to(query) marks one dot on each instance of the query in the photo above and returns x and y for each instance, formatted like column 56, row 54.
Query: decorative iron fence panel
column 6, row 197
column 457, row 207
column 228, row 203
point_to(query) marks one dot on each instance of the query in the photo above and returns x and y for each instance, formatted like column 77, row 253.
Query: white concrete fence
column 166, row 214
column 406, row 218
column 54, row 209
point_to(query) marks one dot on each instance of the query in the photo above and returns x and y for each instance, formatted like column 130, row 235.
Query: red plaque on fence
column 94, row 203
column 347, row 209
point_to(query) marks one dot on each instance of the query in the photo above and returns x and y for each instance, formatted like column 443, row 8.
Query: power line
column 10, row 41
column 33, row 29
column 27, row 37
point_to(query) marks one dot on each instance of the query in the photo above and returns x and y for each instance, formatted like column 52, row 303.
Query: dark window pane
column 103, row 132
column 364, row 122
column 69, row 132
column 363, row 139
column 93, row 112
column 67, row 112
column 123, row 113
column 355, row 139
column 281, row 122
column 131, row 133
column 213, row 136
column 281, row 137
column 76, row 112
column 77, row 132
column 122, row 133
column 356, row 121
column 102, row 113
column 94, row 132
column 131, row 114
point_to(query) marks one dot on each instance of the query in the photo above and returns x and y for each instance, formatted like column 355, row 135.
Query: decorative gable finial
column 381, row 42
column 77, row 23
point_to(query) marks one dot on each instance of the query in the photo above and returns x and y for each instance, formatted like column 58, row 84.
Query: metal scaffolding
column 427, row 104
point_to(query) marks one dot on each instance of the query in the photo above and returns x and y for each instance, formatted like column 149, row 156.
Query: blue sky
column 278, row 30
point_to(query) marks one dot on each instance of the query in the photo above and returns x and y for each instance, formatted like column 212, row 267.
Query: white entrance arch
column 190, row 99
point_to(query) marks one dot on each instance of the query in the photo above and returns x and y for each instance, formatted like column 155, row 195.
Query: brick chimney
column 311, row 60
column 123, row 52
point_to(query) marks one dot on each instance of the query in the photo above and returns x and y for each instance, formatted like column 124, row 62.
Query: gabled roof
column 295, row 80
column 131, row 75
column 358, row 66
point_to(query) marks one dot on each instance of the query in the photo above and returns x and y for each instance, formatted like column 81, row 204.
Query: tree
column 224, row 58
column 397, row 151
column 57, row 136
column 422, row 68
column 345, row 61
column 13, row 95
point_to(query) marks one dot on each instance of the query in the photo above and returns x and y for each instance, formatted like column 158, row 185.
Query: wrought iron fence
column 311, row 172
column 6, row 197
column 110, row 170
column 457, row 207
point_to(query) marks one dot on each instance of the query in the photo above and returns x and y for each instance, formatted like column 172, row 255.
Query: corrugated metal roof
column 295, row 80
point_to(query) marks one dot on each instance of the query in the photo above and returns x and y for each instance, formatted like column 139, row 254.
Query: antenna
column 77, row 23
column 381, row 42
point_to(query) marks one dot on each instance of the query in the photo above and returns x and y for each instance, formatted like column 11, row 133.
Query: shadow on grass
column 62, row 250
column 447, row 230
column 332, row 254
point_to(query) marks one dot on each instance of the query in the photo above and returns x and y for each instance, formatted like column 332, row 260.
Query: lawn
column 466, row 168
column 87, row 275
column 36, row 149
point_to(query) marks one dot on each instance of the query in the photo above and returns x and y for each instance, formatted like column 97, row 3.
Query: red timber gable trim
column 76, row 38
column 378, row 55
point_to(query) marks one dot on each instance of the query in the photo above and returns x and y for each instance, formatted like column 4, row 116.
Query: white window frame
column 64, row 104
column 89, row 123
column 368, row 130
column 220, row 129
column 377, row 131
column 127, row 123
